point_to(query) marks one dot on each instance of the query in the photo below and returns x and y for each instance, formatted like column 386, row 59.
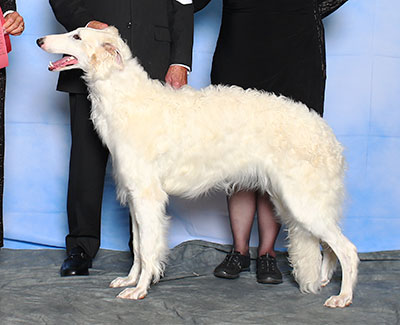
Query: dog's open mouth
column 65, row 63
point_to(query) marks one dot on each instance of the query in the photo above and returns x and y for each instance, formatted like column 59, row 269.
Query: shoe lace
column 267, row 264
column 232, row 259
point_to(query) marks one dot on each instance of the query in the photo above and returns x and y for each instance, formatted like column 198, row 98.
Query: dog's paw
column 133, row 293
column 340, row 301
column 122, row 282
column 311, row 287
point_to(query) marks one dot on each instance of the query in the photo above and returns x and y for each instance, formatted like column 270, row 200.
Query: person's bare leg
column 242, row 208
column 268, row 227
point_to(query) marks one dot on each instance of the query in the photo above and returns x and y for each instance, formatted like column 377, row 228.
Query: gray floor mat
column 32, row 292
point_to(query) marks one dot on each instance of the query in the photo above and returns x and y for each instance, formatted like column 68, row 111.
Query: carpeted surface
column 32, row 292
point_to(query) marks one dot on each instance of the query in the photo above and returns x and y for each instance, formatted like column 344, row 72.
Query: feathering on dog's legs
column 151, row 245
column 133, row 276
column 315, row 219
column 305, row 258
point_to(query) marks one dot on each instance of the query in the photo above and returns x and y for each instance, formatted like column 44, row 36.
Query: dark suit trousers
column 88, row 163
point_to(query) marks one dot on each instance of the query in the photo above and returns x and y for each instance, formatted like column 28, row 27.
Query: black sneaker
column 267, row 270
column 232, row 265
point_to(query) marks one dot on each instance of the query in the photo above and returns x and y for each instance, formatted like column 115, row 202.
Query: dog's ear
column 112, row 30
column 111, row 49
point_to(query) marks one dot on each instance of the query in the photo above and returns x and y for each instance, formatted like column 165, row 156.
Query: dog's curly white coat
column 187, row 142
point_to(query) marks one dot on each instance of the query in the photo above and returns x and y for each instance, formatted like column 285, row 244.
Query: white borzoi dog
column 187, row 142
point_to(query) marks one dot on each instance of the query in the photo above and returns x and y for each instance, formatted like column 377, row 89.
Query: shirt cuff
column 8, row 12
column 185, row 2
column 181, row 65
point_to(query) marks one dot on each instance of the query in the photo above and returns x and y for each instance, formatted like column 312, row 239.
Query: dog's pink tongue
column 64, row 62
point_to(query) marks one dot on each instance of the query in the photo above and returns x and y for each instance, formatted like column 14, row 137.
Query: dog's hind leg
column 152, row 223
column 315, row 205
column 305, row 258
column 329, row 262
column 346, row 252
column 326, row 228
column 134, row 273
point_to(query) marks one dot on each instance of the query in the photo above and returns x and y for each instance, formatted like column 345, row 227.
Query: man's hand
column 13, row 24
column 176, row 76
column 97, row 24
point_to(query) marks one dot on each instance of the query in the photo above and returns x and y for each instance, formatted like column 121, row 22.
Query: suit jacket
column 159, row 32
column 326, row 7
column 7, row 5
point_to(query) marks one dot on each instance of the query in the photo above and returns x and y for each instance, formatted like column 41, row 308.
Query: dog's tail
column 305, row 258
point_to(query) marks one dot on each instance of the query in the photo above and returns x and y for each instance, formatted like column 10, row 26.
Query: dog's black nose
column 40, row 41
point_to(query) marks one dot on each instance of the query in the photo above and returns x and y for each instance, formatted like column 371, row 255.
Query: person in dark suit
column 160, row 35
column 276, row 46
column 13, row 25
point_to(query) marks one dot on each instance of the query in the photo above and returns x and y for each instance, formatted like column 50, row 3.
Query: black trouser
column 88, row 162
column 87, row 169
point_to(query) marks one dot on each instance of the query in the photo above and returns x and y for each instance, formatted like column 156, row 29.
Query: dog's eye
column 76, row 36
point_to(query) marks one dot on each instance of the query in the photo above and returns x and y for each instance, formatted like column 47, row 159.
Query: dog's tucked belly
column 196, row 176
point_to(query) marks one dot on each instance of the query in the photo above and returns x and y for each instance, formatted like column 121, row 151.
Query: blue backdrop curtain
column 362, row 106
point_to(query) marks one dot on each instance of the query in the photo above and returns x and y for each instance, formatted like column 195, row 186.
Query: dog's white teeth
column 51, row 64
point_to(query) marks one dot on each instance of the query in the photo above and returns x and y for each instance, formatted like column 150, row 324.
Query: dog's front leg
column 151, row 245
column 133, row 276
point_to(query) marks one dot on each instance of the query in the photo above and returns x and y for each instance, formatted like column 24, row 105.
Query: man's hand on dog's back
column 176, row 76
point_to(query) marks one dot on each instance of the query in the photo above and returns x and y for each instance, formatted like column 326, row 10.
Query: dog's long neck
column 124, row 91
column 131, row 81
column 129, row 75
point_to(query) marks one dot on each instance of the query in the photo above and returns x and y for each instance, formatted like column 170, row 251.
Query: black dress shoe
column 267, row 270
column 77, row 263
column 232, row 265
